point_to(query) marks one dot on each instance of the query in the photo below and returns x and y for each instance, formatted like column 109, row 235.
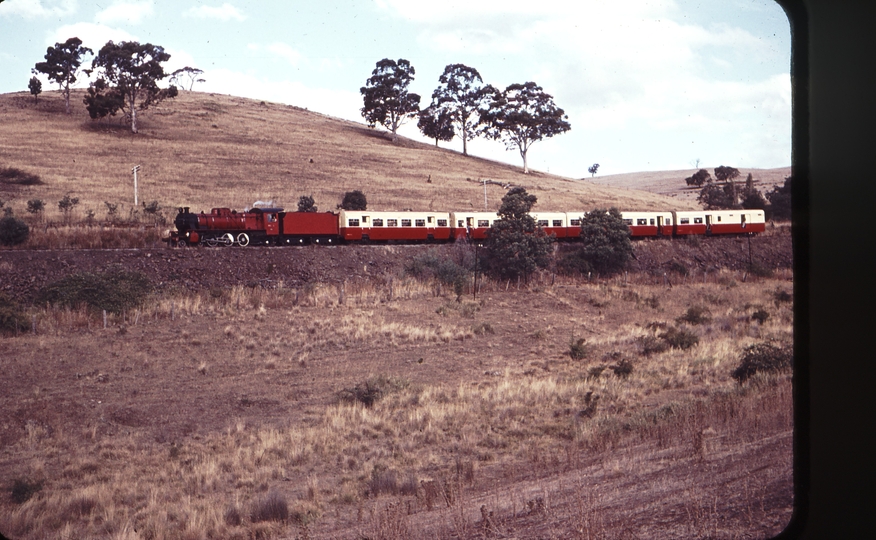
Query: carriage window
column 641, row 221
column 420, row 223
column 577, row 222
column 459, row 223
column 272, row 218
column 406, row 223
column 683, row 221
column 392, row 223
column 353, row 222
column 378, row 222
column 698, row 220
column 483, row 223
column 652, row 221
column 719, row 218
column 431, row 219
column 627, row 221
column 558, row 223
column 442, row 222
column 542, row 223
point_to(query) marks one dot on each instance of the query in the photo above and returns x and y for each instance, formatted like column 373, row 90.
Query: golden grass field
column 382, row 407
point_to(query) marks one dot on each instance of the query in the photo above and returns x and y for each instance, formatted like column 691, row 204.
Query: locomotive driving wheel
column 243, row 239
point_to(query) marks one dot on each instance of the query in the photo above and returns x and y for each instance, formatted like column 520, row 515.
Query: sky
column 647, row 85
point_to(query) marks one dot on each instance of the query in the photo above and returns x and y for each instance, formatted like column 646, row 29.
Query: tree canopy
column 128, row 80
column 515, row 246
column 780, row 200
column 462, row 96
column 354, row 200
column 436, row 123
column 306, row 204
column 605, row 245
column 698, row 178
column 386, row 98
column 62, row 64
column 593, row 168
column 523, row 114
column 35, row 87
column 189, row 73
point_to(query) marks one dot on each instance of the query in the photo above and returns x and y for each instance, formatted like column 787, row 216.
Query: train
column 276, row 227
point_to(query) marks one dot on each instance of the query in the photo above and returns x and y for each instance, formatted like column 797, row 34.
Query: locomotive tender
column 274, row 226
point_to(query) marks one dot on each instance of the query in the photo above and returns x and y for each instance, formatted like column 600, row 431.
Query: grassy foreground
column 557, row 410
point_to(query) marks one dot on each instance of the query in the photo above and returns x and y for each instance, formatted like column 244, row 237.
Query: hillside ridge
column 206, row 150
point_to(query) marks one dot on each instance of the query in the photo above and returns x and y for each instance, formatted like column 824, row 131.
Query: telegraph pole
column 134, row 170
column 485, row 192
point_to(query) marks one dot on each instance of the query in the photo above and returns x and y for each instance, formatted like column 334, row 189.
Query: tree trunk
column 133, row 117
column 67, row 98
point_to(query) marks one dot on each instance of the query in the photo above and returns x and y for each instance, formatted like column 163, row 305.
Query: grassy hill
column 204, row 150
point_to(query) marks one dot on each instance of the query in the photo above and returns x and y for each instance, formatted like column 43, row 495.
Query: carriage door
column 708, row 223
column 745, row 219
column 659, row 225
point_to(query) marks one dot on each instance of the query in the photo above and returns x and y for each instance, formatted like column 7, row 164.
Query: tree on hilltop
column 523, row 114
column 699, row 178
column 462, row 96
column 592, row 170
column 190, row 73
column 36, row 87
column 62, row 64
column 386, row 98
column 128, row 80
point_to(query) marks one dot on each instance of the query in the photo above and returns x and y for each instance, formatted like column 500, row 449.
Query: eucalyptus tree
column 63, row 62
column 385, row 95
column 128, row 75
column 523, row 114
column 464, row 99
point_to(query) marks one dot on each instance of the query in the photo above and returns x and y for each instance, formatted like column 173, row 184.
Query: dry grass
column 202, row 150
column 216, row 415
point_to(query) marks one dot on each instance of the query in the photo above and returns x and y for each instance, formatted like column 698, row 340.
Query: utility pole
column 485, row 192
column 134, row 170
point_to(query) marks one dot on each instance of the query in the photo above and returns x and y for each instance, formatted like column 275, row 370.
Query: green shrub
column 651, row 345
column 782, row 296
column 35, row 206
column 679, row 339
column 695, row 315
column 23, row 490
column 11, row 318
column 578, row 349
column 114, row 291
column 371, row 391
column 13, row 231
column 762, row 358
column 760, row 316
column 623, row 368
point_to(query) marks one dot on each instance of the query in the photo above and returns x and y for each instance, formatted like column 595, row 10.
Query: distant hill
column 672, row 184
column 206, row 150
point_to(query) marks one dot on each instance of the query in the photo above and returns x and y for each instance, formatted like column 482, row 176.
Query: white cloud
column 285, row 51
column 39, row 8
column 225, row 12
column 93, row 36
column 125, row 12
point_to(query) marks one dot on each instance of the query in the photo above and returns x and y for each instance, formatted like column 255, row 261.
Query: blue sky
column 647, row 84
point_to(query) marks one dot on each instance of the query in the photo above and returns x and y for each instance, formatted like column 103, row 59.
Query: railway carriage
column 556, row 223
column 364, row 225
column 649, row 223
